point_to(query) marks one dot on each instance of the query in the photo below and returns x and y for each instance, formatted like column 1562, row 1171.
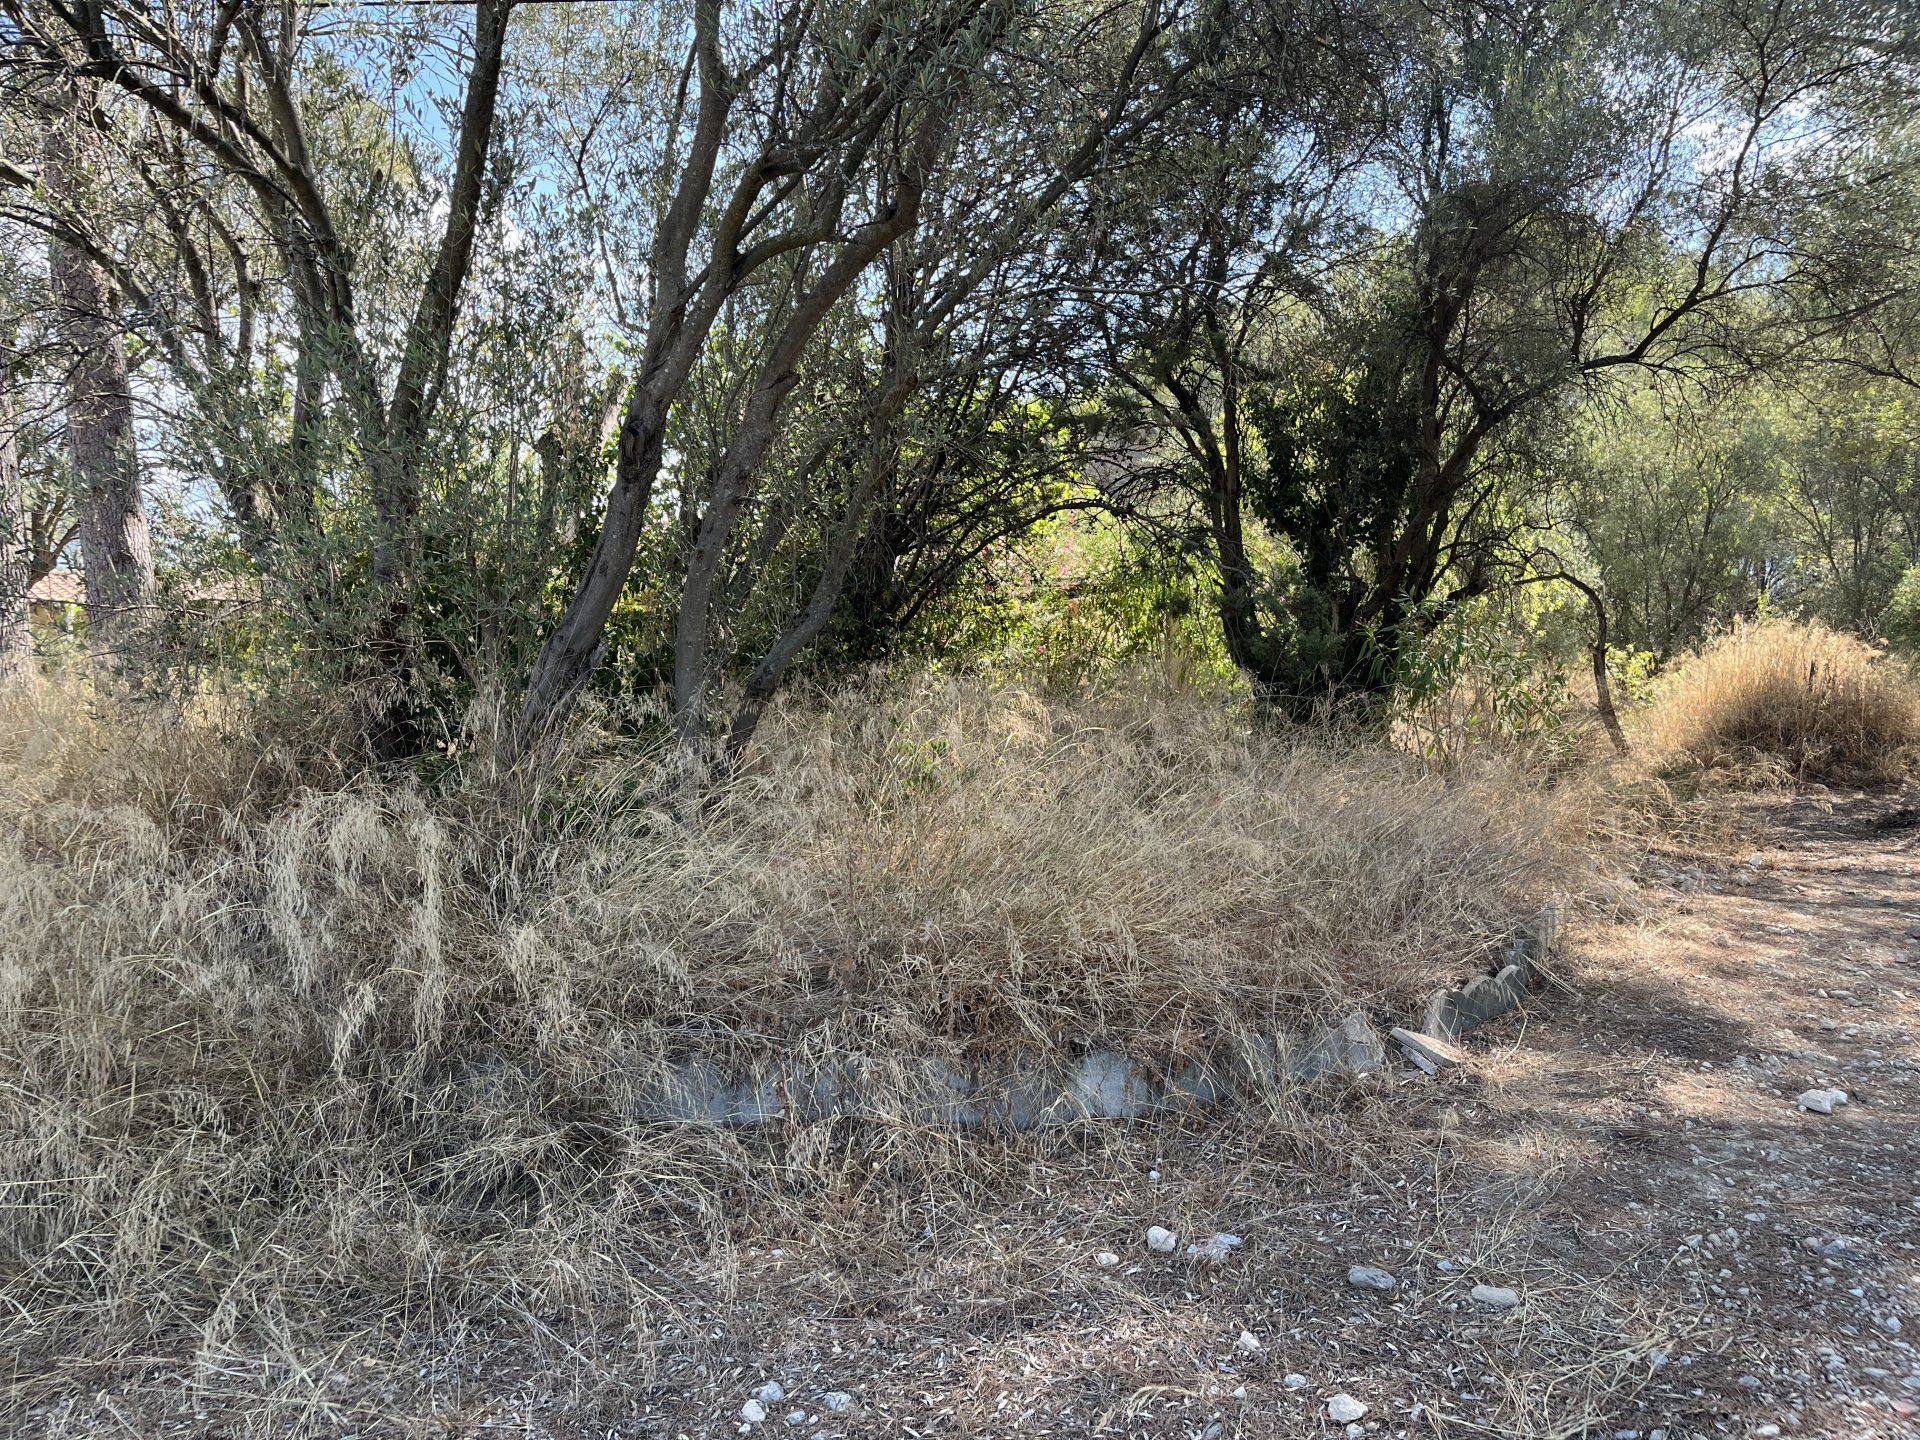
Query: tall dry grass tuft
column 283, row 1047
column 1788, row 699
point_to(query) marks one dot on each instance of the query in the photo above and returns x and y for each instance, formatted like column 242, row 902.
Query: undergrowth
column 285, row 1045
column 1784, row 700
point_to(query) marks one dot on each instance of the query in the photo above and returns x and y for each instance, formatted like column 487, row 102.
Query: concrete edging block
column 1099, row 1084
column 1484, row 998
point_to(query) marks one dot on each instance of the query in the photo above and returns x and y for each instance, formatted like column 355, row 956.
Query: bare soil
column 1694, row 1254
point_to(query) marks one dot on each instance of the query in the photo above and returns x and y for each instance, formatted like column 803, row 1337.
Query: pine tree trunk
column 16, row 634
column 114, row 545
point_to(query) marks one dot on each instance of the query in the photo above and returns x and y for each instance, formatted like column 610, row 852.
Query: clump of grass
column 283, row 1045
column 1787, row 699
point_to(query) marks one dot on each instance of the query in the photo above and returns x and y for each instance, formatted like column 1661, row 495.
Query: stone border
column 1453, row 1013
column 1102, row 1084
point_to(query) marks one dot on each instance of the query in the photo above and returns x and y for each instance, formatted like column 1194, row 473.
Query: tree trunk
column 882, row 457
column 114, row 545
column 16, row 634
column 1602, row 686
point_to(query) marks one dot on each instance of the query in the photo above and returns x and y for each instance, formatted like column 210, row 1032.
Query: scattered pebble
column 771, row 1393
column 836, row 1402
column 1106, row 1260
column 1821, row 1102
column 1248, row 1343
column 753, row 1412
column 1161, row 1240
column 1296, row 1382
column 1495, row 1297
column 1370, row 1277
column 1215, row 1249
column 1343, row 1409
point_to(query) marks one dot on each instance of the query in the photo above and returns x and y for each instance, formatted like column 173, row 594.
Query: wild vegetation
column 1799, row 700
column 545, row 543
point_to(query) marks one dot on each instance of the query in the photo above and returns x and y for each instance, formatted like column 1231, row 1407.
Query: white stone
column 1343, row 1409
column 837, row 1402
column 1495, row 1297
column 1370, row 1277
column 796, row 1417
column 1248, row 1343
column 753, row 1412
column 771, row 1393
column 1821, row 1102
column 1215, row 1249
column 1296, row 1382
column 1106, row 1260
column 1161, row 1240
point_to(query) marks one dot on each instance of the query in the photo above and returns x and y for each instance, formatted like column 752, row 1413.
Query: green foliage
column 1900, row 621
column 1474, row 684
column 1083, row 598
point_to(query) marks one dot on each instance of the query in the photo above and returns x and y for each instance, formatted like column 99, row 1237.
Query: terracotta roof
column 58, row 587
column 66, row 587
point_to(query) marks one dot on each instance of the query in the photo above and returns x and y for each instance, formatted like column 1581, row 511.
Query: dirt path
column 1677, row 1073
column 1692, row 1254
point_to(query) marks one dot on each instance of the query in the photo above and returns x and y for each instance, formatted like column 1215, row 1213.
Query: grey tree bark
column 692, row 663
column 115, row 546
column 16, row 635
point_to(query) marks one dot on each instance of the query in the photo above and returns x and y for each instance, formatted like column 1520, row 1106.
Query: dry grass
column 283, row 1047
column 1788, row 699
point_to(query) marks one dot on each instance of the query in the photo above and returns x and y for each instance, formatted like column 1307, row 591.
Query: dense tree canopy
column 507, row 354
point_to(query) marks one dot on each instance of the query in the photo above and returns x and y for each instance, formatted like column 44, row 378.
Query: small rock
column 1296, row 1382
column 1495, row 1297
column 1429, row 1052
column 1370, row 1277
column 1821, row 1102
column 1215, row 1249
column 1343, row 1409
column 1838, row 1247
column 796, row 1417
column 771, row 1393
column 1248, row 1343
column 1106, row 1260
column 836, row 1402
column 1161, row 1240
column 753, row 1412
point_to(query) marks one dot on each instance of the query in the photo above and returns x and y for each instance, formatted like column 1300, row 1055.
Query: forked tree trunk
column 16, row 634
column 115, row 548
column 1602, row 685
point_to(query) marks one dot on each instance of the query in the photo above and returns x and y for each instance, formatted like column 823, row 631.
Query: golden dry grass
column 283, row 1045
column 1784, row 699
